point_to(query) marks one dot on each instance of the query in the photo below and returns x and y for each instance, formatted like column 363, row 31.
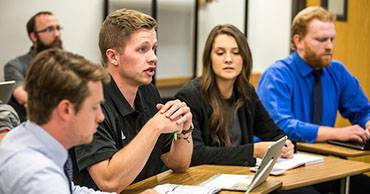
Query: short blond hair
column 119, row 25
column 304, row 17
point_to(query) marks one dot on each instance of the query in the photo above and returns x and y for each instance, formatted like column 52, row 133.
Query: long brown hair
column 220, row 120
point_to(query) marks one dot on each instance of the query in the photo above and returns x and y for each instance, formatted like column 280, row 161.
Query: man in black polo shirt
column 136, row 137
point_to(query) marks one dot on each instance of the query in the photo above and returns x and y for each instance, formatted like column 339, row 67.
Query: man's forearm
column 325, row 134
column 122, row 169
column 179, row 157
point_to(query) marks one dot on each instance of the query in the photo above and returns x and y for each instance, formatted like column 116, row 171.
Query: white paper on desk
column 227, row 180
column 299, row 159
column 184, row 189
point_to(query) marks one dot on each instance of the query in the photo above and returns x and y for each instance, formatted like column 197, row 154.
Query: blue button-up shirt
column 285, row 90
column 31, row 161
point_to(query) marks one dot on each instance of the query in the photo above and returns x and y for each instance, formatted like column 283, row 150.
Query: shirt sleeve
column 13, row 72
column 264, row 127
column 275, row 92
column 353, row 103
column 76, row 189
column 203, row 152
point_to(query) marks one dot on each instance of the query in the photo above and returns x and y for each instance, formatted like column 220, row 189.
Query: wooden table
column 335, row 150
column 329, row 149
column 331, row 169
column 197, row 174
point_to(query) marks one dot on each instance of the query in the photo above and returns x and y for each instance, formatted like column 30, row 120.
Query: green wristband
column 174, row 136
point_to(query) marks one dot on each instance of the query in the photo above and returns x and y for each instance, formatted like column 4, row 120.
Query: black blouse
column 254, row 120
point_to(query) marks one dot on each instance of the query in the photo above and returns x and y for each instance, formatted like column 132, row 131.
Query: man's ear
column 112, row 56
column 33, row 37
column 297, row 40
column 65, row 109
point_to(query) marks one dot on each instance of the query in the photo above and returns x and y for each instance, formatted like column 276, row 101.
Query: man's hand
column 164, row 125
column 367, row 127
column 20, row 95
column 354, row 132
column 177, row 111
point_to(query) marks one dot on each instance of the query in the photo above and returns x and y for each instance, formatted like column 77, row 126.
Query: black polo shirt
column 120, row 126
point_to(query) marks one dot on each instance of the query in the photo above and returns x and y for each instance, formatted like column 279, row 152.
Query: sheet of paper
column 299, row 159
column 227, row 180
column 184, row 189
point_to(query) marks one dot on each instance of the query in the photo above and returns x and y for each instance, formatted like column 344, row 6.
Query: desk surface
column 198, row 174
column 331, row 169
column 329, row 149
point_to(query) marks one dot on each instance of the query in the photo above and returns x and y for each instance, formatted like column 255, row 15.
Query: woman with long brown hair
column 226, row 110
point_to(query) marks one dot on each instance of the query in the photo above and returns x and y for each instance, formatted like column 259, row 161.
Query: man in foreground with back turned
column 65, row 93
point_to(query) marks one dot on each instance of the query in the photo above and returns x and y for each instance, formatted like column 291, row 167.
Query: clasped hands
column 174, row 116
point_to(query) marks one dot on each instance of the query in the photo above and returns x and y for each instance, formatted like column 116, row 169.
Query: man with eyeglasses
column 44, row 31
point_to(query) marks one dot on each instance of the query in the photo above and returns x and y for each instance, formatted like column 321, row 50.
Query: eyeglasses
column 50, row 29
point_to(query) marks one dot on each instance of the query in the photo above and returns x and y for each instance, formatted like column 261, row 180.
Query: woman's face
column 226, row 60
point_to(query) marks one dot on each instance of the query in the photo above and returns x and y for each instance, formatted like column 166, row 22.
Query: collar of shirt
column 47, row 144
column 302, row 67
column 112, row 93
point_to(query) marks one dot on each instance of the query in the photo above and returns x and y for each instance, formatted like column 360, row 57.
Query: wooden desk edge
column 325, row 148
column 360, row 167
column 266, row 187
column 272, row 182
column 272, row 186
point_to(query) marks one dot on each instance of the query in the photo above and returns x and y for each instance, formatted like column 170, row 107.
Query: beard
column 40, row 46
column 318, row 61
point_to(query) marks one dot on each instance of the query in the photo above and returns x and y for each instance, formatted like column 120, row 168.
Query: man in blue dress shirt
column 304, row 91
column 287, row 87
column 65, row 92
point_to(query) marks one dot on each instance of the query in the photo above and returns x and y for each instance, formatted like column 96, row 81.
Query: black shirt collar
column 113, row 94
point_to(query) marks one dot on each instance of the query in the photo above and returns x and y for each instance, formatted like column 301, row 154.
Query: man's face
column 137, row 60
column 85, row 122
column 47, row 32
column 316, row 47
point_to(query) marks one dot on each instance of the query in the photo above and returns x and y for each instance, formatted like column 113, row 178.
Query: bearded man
column 304, row 91
column 44, row 31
